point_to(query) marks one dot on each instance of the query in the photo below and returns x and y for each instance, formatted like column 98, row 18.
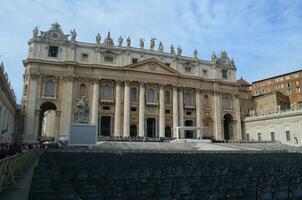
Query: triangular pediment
column 151, row 65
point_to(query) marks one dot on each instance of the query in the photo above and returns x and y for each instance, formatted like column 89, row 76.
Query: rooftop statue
column 195, row 53
column 35, row 32
column 141, row 43
column 160, row 47
column 98, row 38
column 120, row 41
column 128, row 41
column 73, row 35
column 83, row 111
column 172, row 51
column 152, row 43
column 179, row 51
column 213, row 57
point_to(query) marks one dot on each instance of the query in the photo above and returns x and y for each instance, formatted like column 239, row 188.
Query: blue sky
column 263, row 37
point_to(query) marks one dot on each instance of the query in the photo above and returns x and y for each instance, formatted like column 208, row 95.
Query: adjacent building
column 131, row 91
column 9, row 110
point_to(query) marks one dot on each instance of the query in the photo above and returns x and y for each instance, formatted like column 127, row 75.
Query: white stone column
column 95, row 103
column 217, row 114
column 198, row 113
column 238, row 118
column 66, row 106
column 161, row 111
column 175, row 111
column 117, row 111
column 126, row 127
column 141, row 114
column 181, row 109
column 29, row 136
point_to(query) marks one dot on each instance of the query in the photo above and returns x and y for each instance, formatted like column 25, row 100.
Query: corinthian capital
column 34, row 76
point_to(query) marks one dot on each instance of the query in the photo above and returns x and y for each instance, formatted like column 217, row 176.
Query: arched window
column 226, row 103
column 206, row 100
column 188, row 98
column 151, row 95
column 133, row 94
column 167, row 97
column 83, row 90
column 106, row 94
column 49, row 88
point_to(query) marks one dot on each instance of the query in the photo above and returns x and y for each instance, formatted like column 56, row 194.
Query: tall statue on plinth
column 83, row 111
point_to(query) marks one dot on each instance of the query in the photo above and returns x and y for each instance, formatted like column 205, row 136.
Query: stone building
column 288, row 84
column 137, row 92
column 9, row 110
column 283, row 126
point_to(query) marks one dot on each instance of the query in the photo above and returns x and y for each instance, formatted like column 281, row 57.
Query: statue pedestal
column 82, row 134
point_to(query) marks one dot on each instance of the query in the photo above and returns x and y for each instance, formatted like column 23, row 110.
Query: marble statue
column 213, row 57
column 160, row 47
column 195, row 53
column 172, row 51
column 98, row 38
column 83, row 110
column 152, row 43
column 278, row 108
column 73, row 35
column 179, row 51
column 120, row 41
column 35, row 32
column 128, row 41
column 141, row 43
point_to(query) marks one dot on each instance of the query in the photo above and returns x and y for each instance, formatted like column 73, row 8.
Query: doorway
column 105, row 126
column 227, row 126
column 189, row 133
column 151, row 127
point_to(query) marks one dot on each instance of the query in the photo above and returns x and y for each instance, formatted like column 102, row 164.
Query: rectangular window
column 189, row 113
column 224, row 74
column 106, row 107
column 134, row 60
column 298, row 90
column 167, row 64
column 167, row 111
column 273, row 136
column 188, row 69
column 53, row 51
column 287, row 135
column 108, row 59
column 133, row 109
column 205, row 72
column 84, row 57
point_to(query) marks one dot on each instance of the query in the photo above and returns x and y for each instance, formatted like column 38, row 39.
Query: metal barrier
column 15, row 165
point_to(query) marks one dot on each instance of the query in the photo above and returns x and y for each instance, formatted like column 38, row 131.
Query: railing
column 15, row 165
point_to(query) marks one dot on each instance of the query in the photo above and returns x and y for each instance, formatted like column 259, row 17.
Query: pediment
column 151, row 65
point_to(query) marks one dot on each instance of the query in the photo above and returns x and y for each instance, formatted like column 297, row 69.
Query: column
column 161, row 111
column 198, row 113
column 126, row 109
column 175, row 111
column 217, row 113
column 141, row 114
column 36, row 122
column 66, row 106
column 117, row 111
column 181, row 109
column 29, row 136
column 238, row 118
column 95, row 103
column 57, row 131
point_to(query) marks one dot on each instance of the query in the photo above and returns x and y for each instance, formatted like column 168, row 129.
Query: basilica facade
column 131, row 91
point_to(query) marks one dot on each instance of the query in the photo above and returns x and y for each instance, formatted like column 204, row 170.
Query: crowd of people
column 14, row 148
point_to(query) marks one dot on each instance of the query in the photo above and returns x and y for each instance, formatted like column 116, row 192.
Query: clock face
column 55, row 35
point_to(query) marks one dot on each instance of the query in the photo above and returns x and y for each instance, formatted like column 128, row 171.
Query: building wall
column 152, row 69
column 288, row 84
column 277, row 123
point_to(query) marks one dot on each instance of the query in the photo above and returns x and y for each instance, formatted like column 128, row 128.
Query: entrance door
column 106, row 126
column 151, row 127
column 133, row 131
column 227, row 126
column 189, row 133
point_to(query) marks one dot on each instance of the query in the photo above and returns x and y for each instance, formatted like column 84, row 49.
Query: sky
column 263, row 37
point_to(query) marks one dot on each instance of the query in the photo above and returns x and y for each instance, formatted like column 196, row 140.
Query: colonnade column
column 117, row 112
column 181, row 108
column 161, row 111
column 198, row 113
column 175, row 111
column 141, row 114
column 126, row 109
column 95, row 103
